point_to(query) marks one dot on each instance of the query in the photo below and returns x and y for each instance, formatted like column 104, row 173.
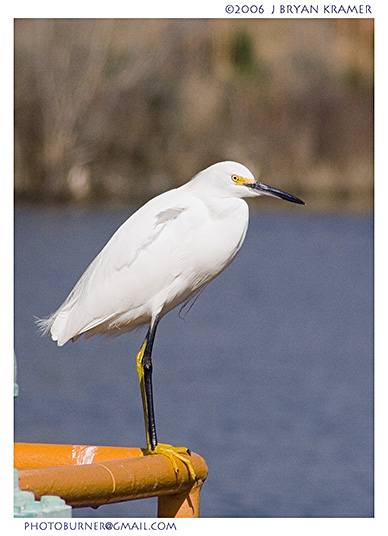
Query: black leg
column 144, row 370
column 147, row 370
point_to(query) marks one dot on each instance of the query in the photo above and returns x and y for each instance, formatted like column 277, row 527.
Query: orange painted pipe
column 92, row 476
column 33, row 455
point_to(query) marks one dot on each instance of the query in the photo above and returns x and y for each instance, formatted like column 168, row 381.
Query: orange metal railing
column 85, row 475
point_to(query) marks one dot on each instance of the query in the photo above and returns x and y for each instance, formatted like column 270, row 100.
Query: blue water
column 269, row 376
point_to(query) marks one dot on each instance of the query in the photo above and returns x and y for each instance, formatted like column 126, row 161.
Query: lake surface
column 269, row 376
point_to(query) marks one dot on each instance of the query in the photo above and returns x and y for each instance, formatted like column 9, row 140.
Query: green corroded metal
column 25, row 504
column 15, row 385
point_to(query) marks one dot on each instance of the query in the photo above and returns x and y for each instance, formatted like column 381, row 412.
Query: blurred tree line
column 120, row 110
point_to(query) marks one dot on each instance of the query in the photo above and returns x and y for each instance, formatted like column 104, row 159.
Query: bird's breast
column 202, row 248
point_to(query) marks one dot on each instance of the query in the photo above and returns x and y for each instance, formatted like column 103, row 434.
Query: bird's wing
column 120, row 279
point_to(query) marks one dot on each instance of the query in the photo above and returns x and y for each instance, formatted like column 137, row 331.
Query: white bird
column 161, row 257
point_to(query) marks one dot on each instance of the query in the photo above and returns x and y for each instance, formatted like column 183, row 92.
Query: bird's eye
column 234, row 178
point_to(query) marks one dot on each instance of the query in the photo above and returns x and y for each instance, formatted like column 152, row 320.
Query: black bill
column 274, row 192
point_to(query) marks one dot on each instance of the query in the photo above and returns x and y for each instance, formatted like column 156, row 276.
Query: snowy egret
column 161, row 257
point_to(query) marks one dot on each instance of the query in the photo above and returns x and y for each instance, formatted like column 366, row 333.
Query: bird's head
column 232, row 179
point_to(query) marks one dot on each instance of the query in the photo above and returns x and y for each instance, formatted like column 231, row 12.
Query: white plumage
column 162, row 256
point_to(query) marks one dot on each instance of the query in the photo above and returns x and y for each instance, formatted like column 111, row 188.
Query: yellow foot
column 172, row 453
